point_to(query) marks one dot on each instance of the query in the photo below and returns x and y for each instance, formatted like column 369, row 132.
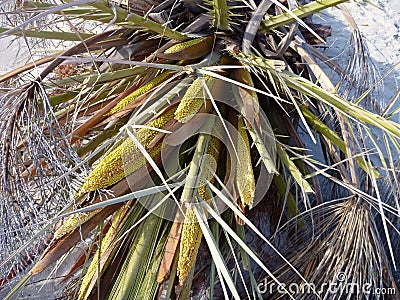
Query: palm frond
column 134, row 117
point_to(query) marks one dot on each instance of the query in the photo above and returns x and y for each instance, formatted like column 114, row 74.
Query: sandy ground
column 380, row 26
column 9, row 54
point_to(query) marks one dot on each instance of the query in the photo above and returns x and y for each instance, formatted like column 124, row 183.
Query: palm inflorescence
column 193, row 148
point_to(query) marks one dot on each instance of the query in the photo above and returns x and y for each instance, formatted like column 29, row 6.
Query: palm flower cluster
column 194, row 148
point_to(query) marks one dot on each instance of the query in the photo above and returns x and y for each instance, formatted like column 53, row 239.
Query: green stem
column 301, row 12
column 293, row 169
column 193, row 177
column 221, row 13
column 89, row 79
column 122, row 16
column 331, row 136
column 51, row 35
column 310, row 89
column 68, row 11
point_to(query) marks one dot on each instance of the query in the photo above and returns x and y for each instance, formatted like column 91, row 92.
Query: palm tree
column 176, row 144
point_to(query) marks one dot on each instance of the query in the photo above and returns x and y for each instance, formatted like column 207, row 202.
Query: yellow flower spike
column 182, row 46
column 140, row 91
column 125, row 158
column 191, row 49
column 244, row 170
column 209, row 166
column 248, row 103
column 73, row 222
column 191, row 231
column 193, row 99
column 189, row 246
